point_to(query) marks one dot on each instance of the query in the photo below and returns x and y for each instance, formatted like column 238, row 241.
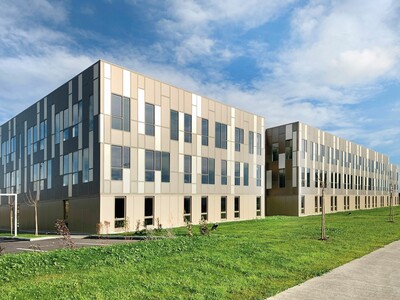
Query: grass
column 241, row 260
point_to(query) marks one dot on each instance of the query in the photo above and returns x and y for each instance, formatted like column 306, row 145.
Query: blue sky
column 332, row 64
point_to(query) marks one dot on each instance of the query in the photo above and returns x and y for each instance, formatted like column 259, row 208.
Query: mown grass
column 23, row 235
column 241, row 260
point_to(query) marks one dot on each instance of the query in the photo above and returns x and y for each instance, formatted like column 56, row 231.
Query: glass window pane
column 127, row 114
column 116, row 105
column 165, row 167
column 149, row 160
column 174, row 125
column 211, row 171
column 127, row 157
column 116, row 156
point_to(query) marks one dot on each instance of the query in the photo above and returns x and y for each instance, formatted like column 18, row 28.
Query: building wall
column 319, row 154
column 52, row 145
column 169, row 195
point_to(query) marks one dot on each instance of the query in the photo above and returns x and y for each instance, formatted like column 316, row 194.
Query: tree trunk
column 36, row 221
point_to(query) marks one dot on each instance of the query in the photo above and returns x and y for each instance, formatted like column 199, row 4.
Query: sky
column 334, row 64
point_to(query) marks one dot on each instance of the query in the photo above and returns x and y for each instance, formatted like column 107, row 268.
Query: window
column 258, row 143
column 85, row 165
column 174, row 128
column 335, row 203
column 187, row 176
column 66, row 125
column 321, row 203
column 311, row 150
column 148, row 210
column 332, row 203
column 258, row 206
column 258, row 179
column 149, row 119
column 316, row 204
column 120, row 112
column 157, row 161
column 49, row 173
column 75, row 164
column 237, row 207
column 275, row 152
column 207, row 170
column 239, row 138
column 204, row 132
column 120, row 159
column 91, row 113
column 308, row 177
column 224, row 172
column 251, row 142
column 316, row 178
column 119, row 212
column 57, row 130
column 223, row 207
column 288, row 149
column 237, row 173
column 302, row 205
column 246, row 174
column 221, row 136
column 188, row 128
column 43, row 134
column 65, row 170
column 282, row 178
column 187, row 209
column 204, row 208
column 303, row 177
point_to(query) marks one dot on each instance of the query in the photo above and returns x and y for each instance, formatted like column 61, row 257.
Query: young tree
column 322, row 184
column 391, row 214
column 34, row 202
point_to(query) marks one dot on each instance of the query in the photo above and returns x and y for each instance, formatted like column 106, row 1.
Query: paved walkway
column 374, row 276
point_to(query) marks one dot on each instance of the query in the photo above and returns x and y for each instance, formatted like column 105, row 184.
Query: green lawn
column 23, row 235
column 241, row 260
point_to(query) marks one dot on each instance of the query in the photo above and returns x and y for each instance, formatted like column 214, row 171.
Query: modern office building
column 112, row 146
column 302, row 160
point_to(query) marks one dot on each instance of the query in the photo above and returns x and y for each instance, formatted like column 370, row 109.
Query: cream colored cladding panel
column 107, row 89
column 281, row 160
column 194, row 113
column 107, row 162
column 199, row 103
column 101, row 128
column 80, row 87
column 269, row 179
column 141, row 111
column 126, row 183
column 126, row 84
column 288, row 131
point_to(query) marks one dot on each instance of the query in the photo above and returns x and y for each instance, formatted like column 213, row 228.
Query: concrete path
column 374, row 276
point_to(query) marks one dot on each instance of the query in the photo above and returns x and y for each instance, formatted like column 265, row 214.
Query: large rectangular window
column 120, row 159
column 120, row 112
column 275, row 152
column 223, row 207
column 204, row 208
column 221, row 136
column 157, row 161
column 258, row 206
column 187, row 177
column 239, row 138
column 237, row 207
column 119, row 212
column 148, row 211
column 258, row 179
column 224, row 172
column 237, row 173
column 258, row 143
column 302, row 205
column 187, row 209
column 246, row 174
column 288, row 149
column 207, row 170
column 188, row 128
column 174, row 126
column 251, row 142
column 204, row 132
column 85, row 165
column 149, row 119
column 282, row 178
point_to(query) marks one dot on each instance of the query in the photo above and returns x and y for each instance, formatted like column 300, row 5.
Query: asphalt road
column 15, row 246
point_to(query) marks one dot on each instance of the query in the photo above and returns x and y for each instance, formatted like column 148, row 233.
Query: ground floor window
column 119, row 212
column 66, row 211
column 237, row 207
column 302, row 204
column 316, row 204
column 223, row 207
column 204, row 208
column 187, row 209
column 148, row 211
column 258, row 206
